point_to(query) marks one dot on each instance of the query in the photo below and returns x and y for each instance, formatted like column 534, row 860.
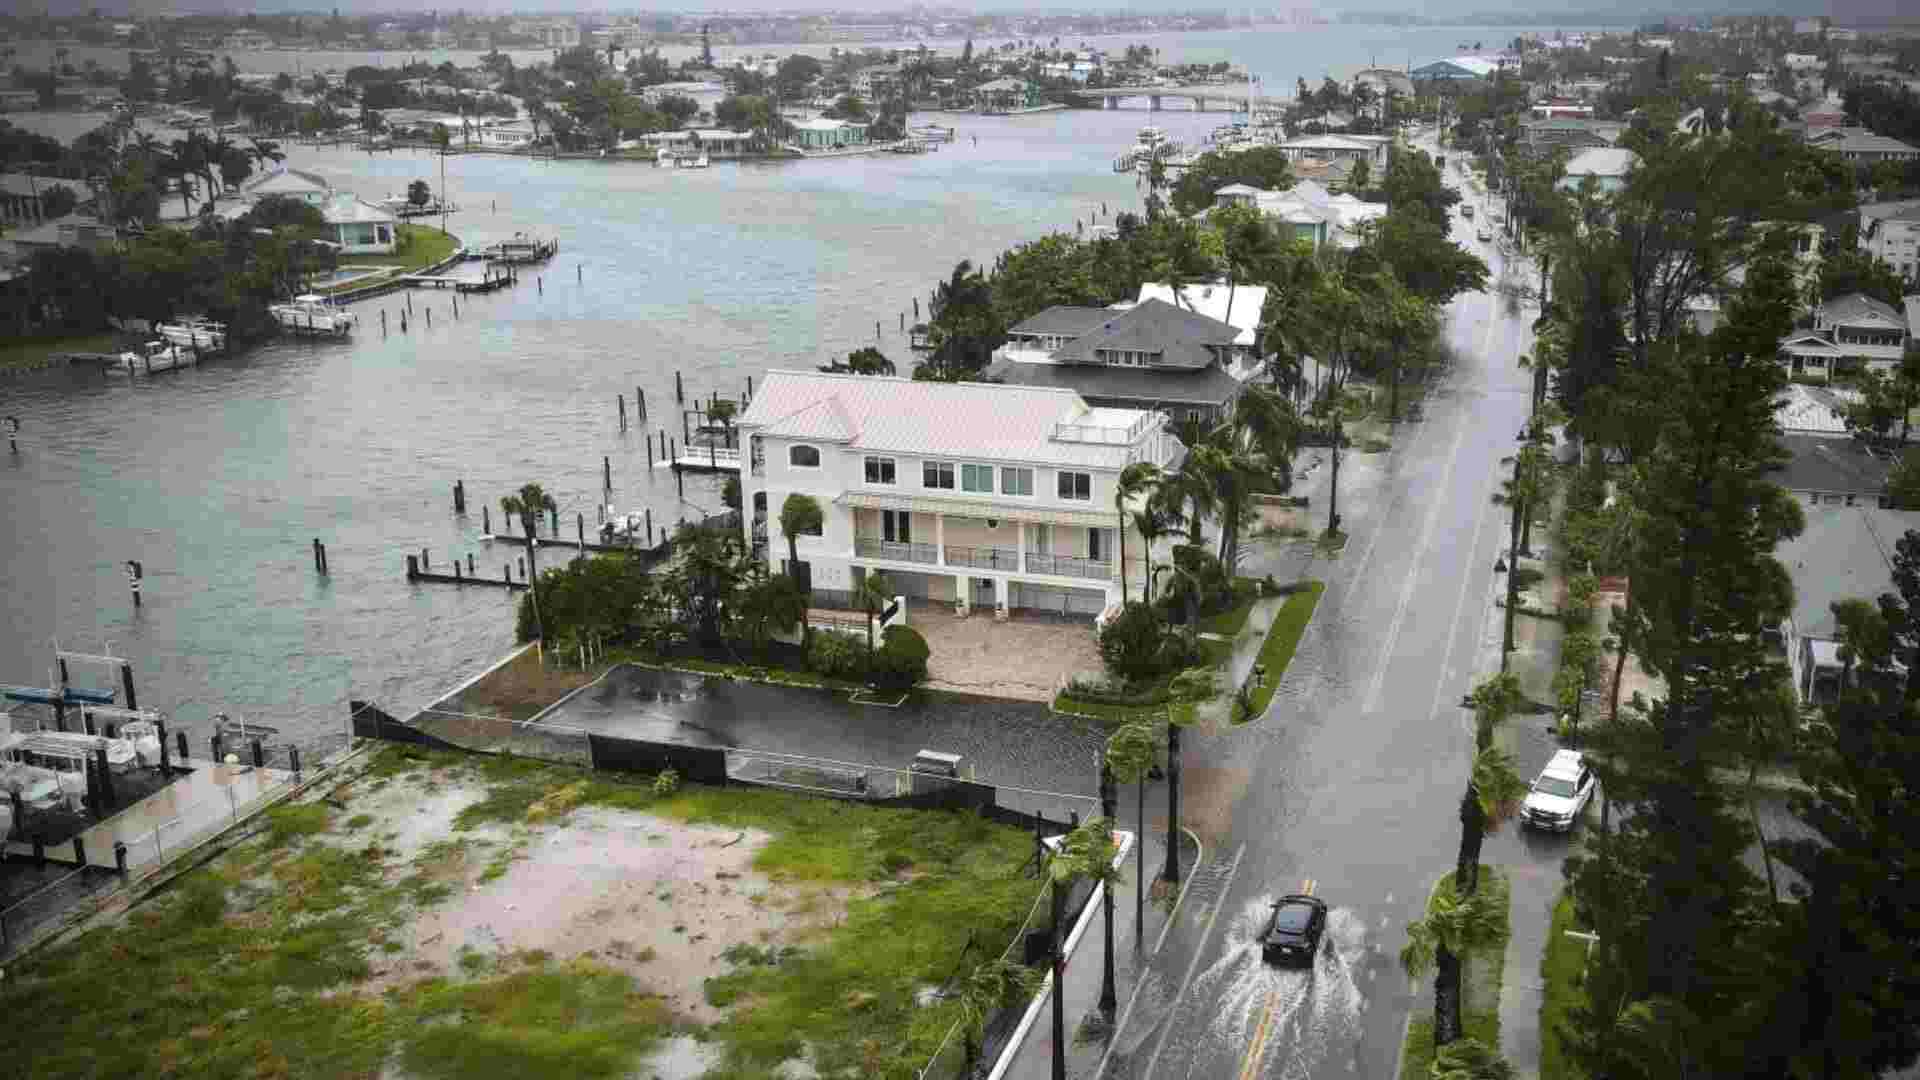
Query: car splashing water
column 1302, row 1010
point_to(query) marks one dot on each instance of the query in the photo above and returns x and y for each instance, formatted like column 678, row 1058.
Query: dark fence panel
column 702, row 764
column 942, row 793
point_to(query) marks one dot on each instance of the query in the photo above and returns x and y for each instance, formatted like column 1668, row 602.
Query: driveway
column 1026, row 657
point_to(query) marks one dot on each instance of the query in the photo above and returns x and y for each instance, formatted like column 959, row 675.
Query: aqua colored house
column 821, row 133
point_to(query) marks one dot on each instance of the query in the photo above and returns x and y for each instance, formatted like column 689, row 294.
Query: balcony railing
column 983, row 558
column 1068, row 566
column 868, row 547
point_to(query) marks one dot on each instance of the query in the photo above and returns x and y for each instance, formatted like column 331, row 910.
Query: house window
column 803, row 457
column 1077, row 486
column 976, row 478
column 1016, row 481
column 896, row 525
column 937, row 474
column 1093, row 544
column 879, row 470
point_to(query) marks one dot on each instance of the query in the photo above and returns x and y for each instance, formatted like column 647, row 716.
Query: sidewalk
column 1032, row 1059
column 1535, row 890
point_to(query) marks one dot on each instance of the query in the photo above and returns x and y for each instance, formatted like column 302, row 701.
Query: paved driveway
column 1024, row 658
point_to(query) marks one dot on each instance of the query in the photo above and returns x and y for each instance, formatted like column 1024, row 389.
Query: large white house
column 969, row 494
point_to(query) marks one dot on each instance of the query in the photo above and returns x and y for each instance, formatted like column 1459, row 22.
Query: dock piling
column 749, row 386
column 469, row 564
column 429, row 318
column 580, row 530
column 649, row 526
column 180, row 737
column 120, row 857
column 293, row 755
column 522, row 560
column 649, row 455
column 579, row 272
column 621, row 401
column 426, row 564
column 486, row 520
column 640, row 402
column 126, row 683
column 413, row 567
column 540, row 283
column 553, row 522
column 459, row 496
column 606, row 474
column 679, row 391
column 217, row 744
column 259, row 755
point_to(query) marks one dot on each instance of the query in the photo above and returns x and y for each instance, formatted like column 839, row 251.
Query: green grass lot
column 27, row 354
column 257, row 964
column 1481, row 979
column 1563, row 969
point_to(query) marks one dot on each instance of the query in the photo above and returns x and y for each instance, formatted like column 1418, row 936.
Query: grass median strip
column 1283, row 637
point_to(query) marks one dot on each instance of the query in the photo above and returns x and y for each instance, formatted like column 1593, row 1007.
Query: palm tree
column 1470, row 1059
column 873, row 594
column 1188, row 689
column 265, row 152
column 1493, row 789
column 1136, row 481
column 1189, row 494
column 1086, row 852
column 769, row 602
column 800, row 514
column 1453, row 927
column 528, row 504
column 1130, row 755
column 991, row 987
column 1150, row 521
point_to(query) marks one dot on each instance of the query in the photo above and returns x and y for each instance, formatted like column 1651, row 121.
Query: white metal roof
column 1602, row 161
column 935, row 419
column 1238, row 306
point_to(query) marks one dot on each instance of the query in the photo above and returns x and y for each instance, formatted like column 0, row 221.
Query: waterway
column 217, row 478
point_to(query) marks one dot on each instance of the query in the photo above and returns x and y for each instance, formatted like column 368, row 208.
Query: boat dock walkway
column 703, row 459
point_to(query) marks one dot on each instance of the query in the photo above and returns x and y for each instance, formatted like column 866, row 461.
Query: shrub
column 667, row 782
column 901, row 662
column 838, row 656
column 1137, row 646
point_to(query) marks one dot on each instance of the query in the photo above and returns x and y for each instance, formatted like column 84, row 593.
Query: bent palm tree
column 1492, row 791
column 528, row 504
column 1470, row 1059
column 873, row 595
column 1136, row 480
column 1453, row 927
column 1189, row 689
column 993, row 986
column 800, row 514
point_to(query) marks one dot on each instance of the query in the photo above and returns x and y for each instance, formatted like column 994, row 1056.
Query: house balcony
column 983, row 558
column 868, row 547
column 1069, row 566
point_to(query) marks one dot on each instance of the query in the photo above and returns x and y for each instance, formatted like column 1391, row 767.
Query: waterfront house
column 360, row 228
column 1005, row 95
column 1371, row 149
column 1861, row 145
column 1607, row 166
column 1179, row 358
column 512, row 135
column 290, row 183
column 964, row 494
column 1849, row 333
column 821, row 133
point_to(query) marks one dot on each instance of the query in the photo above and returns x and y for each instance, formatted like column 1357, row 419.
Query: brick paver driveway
column 1025, row 657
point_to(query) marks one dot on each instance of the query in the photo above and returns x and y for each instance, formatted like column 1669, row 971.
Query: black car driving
column 1294, row 929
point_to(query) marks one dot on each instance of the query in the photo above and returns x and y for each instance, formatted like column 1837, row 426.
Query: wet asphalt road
column 1351, row 779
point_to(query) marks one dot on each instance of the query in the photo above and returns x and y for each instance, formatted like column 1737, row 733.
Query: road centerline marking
column 1193, row 966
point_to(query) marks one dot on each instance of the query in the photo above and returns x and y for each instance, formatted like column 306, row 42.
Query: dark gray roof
column 1062, row 319
column 1137, row 388
column 1180, row 336
column 1833, row 466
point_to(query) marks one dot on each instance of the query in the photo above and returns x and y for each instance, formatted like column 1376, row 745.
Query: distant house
column 821, row 133
column 1823, row 472
column 72, row 231
column 1890, row 231
column 1151, row 354
column 1458, row 69
column 1861, row 145
column 291, row 183
column 23, row 197
column 1561, row 109
column 1005, row 95
column 1827, row 114
column 1606, row 166
column 360, row 228
column 1385, row 81
column 247, row 41
column 1802, row 61
column 512, row 135
column 1843, row 555
column 1367, row 148
column 1849, row 333
column 1576, row 133
column 1310, row 212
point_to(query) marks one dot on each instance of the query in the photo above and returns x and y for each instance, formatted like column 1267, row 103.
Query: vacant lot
column 437, row 915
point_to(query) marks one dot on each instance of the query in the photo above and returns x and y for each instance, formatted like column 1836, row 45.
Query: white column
column 1000, row 594
column 940, row 540
column 1023, row 545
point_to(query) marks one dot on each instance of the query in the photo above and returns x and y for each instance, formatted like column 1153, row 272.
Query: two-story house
column 1842, row 555
column 1307, row 211
column 1890, row 232
column 970, row 494
column 1153, row 354
column 1606, row 166
column 1849, row 333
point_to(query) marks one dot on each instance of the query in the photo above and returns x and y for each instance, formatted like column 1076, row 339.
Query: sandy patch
column 656, row 898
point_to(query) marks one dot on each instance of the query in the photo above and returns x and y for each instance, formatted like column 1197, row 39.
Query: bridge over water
column 1222, row 97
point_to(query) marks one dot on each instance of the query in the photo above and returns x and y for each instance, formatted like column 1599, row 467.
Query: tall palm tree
column 1470, row 1059
column 528, row 504
column 769, row 602
column 1454, row 926
column 265, row 152
column 1136, row 481
column 800, row 514
column 1188, row 690
column 1131, row 752
column 873, row 594
column 1493, row 789
column 1151, row 522
column 1086, row 852
column 1188, row 494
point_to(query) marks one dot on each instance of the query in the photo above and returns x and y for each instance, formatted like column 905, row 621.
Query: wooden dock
column 568, row 545
column 703, row 459
column 416, row 575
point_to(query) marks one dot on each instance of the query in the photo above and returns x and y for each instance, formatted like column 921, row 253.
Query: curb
column 1200, row 856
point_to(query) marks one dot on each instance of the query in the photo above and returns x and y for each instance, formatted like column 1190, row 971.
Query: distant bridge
column 1225, row 97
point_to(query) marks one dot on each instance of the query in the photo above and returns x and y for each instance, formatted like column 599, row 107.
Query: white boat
column 694, row 161
column 154, row 356
column 312, row 314
column 144, row 737
column 38, row 788
column 121, row 754
column 195, row 332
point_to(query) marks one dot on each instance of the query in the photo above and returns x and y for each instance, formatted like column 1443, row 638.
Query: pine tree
column 1665, row 887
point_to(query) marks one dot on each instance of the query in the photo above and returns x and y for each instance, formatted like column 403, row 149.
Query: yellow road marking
column 1257, row 1049
column 1306, row 887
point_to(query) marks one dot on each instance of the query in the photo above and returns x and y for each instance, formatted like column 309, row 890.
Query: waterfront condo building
column 973, row 495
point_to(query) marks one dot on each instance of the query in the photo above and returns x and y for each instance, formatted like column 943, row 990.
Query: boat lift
column 102, row 659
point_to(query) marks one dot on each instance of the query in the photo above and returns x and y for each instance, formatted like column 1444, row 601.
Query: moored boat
column 313, row 315
column 154, row 356
column 194, row 332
